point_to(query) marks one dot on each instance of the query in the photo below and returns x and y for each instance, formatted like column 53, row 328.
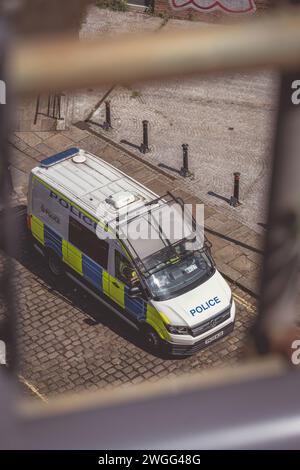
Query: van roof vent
column 79, row 157
column 121, row 199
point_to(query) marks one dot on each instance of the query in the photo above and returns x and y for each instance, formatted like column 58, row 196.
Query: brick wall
column 164, row 7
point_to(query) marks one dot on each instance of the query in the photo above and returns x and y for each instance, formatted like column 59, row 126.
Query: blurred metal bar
column 235, row 408
column 8, row 242
column 273, row 41
column 279, row 306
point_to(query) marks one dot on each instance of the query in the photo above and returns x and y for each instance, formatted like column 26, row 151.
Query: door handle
column 115, row 284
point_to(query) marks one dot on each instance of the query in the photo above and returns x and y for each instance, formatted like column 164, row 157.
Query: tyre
column 55, row 264
column 152, row 338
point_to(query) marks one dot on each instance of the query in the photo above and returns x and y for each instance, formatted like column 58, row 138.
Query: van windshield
column 179, row 274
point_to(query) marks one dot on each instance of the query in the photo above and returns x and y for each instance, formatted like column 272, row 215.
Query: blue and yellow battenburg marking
column 98, row 277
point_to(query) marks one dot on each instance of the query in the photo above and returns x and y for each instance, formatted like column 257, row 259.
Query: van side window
column 88, row 242
column 124, row 270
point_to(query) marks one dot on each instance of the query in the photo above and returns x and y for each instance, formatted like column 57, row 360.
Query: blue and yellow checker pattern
column 98, row 277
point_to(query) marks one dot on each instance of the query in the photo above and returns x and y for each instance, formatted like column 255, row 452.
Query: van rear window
column 88, row 242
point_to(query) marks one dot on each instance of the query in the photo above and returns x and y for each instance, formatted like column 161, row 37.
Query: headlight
column 178, row 330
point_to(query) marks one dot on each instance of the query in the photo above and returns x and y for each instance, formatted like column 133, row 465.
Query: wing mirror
column 135, row 291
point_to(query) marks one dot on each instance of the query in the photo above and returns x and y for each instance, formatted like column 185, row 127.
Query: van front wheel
column 55, row 264
column 152, row 339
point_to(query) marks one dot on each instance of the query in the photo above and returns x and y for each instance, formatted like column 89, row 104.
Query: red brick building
column 211, row 10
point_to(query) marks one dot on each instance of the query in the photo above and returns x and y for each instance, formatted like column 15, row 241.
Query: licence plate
column 214, row 337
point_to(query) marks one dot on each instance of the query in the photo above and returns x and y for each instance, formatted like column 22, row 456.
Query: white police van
column 167, row 288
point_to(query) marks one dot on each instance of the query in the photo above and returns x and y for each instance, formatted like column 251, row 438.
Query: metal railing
column 63, row 63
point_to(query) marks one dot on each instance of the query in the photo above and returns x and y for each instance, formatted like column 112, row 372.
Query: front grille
column 210, row 323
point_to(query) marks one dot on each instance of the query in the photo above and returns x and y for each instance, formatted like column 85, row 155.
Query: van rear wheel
column 55, row 264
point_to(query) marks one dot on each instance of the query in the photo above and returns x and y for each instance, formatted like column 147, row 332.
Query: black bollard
column 235, row 199
column 185, row 168
column 145, row 144
column 107, row 123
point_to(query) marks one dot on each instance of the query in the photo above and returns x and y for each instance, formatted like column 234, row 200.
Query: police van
column 169, row 289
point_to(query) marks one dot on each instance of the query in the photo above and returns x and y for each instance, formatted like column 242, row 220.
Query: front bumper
column 188, row 350
column 188, row 345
